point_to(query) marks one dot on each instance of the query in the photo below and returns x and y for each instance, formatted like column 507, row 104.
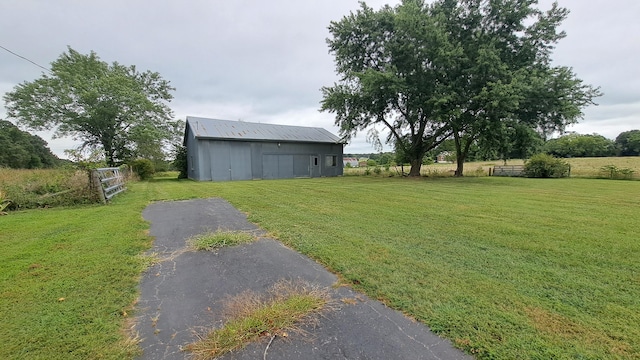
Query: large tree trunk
column 459, row 164
column 415, row 167
column 462, row 149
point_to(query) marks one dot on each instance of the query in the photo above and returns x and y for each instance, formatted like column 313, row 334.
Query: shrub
column 377, row 170
column 627, row 173
column 614, row 172
column 546, row 166
column 143, row 168
column 610, row 170
column 161, row 166
column 180, row 163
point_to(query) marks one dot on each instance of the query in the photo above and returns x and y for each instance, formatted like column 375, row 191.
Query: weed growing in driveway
column 252, row 317
column 214, row 240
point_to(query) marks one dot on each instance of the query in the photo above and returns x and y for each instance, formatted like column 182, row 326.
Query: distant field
column 504, row 267
column 580, row 167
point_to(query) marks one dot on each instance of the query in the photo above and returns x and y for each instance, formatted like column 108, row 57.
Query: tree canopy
column 577, row 145
column 111, row 107
column 21, row 150
column 628, row 143
column 476, row 71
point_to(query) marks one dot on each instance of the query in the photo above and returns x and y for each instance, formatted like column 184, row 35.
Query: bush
column 180, row 163
column 377, row 170
column 546, row 166
column 161, row 166
column 614, row 172
column 143, row 168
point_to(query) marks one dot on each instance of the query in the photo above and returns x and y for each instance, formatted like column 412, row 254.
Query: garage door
column 277, row 166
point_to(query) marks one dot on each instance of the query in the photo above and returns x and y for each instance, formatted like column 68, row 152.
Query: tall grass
column 28, row 189
column 592, row 167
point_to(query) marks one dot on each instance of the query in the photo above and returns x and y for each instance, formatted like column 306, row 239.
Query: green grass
column 68, row 278
column 215, row 240
column 253, row 316
column 505, row 268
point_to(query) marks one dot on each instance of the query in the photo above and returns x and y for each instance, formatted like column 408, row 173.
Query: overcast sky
column 265, row 61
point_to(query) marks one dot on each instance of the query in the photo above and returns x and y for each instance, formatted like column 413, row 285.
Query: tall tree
column 628, row 143
column 475, row 70
column 112, row 107
column 386, row 60
column 502, row 81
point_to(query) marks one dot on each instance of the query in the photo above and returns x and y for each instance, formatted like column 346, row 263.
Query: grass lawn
column 68, row 279
column 504, row 267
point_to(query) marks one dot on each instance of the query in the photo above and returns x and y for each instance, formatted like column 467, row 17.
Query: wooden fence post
column 97, row 185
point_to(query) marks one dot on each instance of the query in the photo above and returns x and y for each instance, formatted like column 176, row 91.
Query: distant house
column 353, row 162
column 223, row 150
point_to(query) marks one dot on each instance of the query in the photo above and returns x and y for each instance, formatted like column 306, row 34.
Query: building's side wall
column 221, row 160
column 193, row 157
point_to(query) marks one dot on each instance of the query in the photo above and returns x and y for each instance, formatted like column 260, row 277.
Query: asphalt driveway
column 183, row 294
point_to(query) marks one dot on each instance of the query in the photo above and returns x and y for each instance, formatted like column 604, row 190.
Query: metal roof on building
column 205, row 128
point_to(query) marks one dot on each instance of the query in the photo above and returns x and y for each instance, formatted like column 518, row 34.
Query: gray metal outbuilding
column 223, row 150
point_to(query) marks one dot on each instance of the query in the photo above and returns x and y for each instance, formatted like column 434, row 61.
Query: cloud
column 609, row 120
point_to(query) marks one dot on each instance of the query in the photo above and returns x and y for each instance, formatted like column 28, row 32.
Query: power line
column 22, row 57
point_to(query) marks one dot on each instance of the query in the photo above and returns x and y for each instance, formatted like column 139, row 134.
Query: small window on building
column 331, row 160
column 315, row 161
column 191, row 161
